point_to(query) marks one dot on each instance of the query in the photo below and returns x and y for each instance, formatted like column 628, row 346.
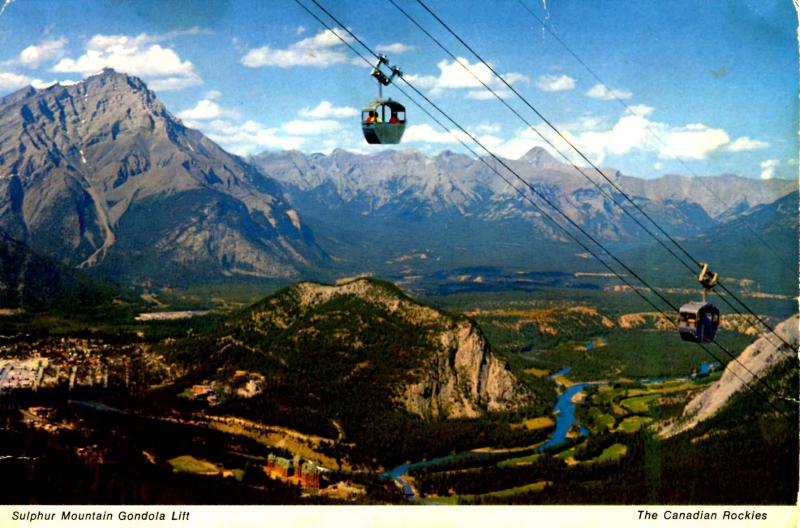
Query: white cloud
column 248, row 137
column 484, row 95
column 322, row 50
column 640, row 110
column 302, row 127
column 637, row 133
column 299, row 30
column 396, row 48
column 555, row 83
column 744, row 143
column 600, row 91
column 633, row 132
column 12, row 81
column 206, row 109
column 768, row 168
column 161, row 67
column 692, row 142
column 325, row 109
column 454, row 76
column 427, row 134
column 47, row 50
column 212, row 94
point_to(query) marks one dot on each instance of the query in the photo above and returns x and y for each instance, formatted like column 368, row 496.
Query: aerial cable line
column 544, row 138
column 610, row 181
column 524, row 182
column 503, row 163
column 556, row 149
column 652, row 132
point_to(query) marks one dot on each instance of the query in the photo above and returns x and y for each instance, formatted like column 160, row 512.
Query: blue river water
column 565, row 416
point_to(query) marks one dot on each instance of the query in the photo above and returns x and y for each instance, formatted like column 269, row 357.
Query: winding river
column 564, row 411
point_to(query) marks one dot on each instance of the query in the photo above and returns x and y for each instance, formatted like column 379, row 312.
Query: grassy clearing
column 612, row 452
column 633, row 423
column 563, row 381
column 190, row 464
column 604, row 421
column 618, row 410
column 520, row 461
column 536, row 486
column 536, row 372
column 540, row 422
column 668, row 388
column 639, row 404
column 569, row 453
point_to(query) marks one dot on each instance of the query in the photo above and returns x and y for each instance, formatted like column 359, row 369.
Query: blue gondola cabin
column 698, row 322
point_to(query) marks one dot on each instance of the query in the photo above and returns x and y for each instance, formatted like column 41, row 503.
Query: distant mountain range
column 100, row 175
column 402, row 211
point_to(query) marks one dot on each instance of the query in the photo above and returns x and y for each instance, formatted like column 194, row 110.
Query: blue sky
column 708, row 85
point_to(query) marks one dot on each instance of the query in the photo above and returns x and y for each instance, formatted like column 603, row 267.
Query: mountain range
column 100, row 175
column 402, row 211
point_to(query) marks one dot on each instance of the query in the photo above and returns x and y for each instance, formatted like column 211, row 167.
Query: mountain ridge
column 100, row 175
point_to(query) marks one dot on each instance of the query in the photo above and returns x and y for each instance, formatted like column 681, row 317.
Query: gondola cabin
column 698, row 322
column 383, row 121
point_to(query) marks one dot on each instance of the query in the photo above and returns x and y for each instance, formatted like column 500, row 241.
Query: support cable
column 652, row 132
column 596, row 169
column 525, row 196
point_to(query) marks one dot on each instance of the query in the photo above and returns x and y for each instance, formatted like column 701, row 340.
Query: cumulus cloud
column 638, row 133
column 601, row 91
column 454, row 76
column 768, row 168
column 745, row 143
column 14, row 81
column 555, row 83
column 395, row 48
column 45, row 51
column 318, row 129
column 160, row 66
column 322, row 50
column 248, row 137
column 302, row 127
column 427, row 134
column 325, row 110
column 640, row 110
column 633, row 132
column 206, row 109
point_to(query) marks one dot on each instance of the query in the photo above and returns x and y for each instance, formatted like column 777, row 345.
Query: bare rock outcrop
column 756, row 360
column 464, row 379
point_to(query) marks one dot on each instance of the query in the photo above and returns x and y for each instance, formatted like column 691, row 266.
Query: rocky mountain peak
column 100, row 169
column 540, row 158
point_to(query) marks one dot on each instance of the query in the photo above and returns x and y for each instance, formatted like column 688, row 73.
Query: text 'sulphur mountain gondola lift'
column 698, row 320
column 383, row 121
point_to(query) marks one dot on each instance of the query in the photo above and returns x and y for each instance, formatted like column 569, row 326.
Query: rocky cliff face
column 759, row 359
column 463, row 379
column 440, row 366
column 100, row 174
